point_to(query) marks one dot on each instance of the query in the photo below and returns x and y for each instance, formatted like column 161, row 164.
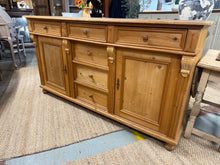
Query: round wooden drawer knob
column 91, row 76
column 45, row 28
column 145, row 37
column 85, row 31
column 89, row 53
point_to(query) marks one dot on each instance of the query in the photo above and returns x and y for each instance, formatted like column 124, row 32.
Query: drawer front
column 91, row 96
column 91, row 53
column 92, row 76
column 88, row 32
column 152, row 37
column 48, row 28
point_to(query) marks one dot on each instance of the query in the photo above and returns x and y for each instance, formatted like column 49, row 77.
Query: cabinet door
column 54, row 64
column 145, row 87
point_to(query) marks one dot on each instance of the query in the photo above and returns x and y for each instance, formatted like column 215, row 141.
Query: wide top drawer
column 91, row 53
column 88, row 32
column 48, row 28
column 152, row 37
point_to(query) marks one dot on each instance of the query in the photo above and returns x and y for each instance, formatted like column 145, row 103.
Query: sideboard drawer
column 88, row 32
column 91, row 96
column 93, row 76
column 48, row 28
column 91, row 53
column 152, row 37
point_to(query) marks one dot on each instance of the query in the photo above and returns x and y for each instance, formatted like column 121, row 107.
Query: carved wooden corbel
column 34, row 39
column 186, row 65
column 111, row 54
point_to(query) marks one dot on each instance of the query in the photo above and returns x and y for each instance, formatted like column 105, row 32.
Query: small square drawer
column 90, row 53
column 152, row 37
column 91, row 96
column 48, row 28
column 93, row 76
column 88, row 32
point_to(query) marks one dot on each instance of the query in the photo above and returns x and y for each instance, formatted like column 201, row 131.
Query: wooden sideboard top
column 124, row 21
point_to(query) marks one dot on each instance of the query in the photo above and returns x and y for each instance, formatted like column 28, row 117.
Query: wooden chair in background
column 9, row 33
column 210, row 73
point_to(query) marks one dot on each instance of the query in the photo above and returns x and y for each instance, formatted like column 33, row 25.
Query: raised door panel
column 54, row 64
column 145, row 82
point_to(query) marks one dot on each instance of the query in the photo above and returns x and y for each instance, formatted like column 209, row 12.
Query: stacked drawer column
column 91, row 70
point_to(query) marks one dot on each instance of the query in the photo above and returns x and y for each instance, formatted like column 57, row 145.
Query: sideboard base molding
column 119, row 119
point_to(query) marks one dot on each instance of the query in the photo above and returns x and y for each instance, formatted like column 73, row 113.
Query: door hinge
column 118, row 83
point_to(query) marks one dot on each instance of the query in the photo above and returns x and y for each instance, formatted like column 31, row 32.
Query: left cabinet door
column 54, row 64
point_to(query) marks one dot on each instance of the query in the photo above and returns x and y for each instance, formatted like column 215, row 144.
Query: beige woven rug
column 193, row 151
column 31, row 121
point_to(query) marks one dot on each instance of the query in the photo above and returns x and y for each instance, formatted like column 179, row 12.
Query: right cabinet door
column 145, row 87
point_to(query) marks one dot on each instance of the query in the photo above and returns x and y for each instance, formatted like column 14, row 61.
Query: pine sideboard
column 137, row 72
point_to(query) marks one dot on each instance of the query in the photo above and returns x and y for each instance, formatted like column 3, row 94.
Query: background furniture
column 137, row 72
column 211, row 72
column 8, row 32
column 48, row 7
column 23, row 28
column 41, row 7
column 5, row 4
column 19, row 42
column 17, row 13
column 57, row 7
column 71, row 7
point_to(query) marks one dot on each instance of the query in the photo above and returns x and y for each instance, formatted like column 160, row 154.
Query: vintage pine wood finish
column 146, row 81
column 91, row 53
column 50, row 28
column 167, row 38
column 137, row 72
column 54, row 64
column 88, row 32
